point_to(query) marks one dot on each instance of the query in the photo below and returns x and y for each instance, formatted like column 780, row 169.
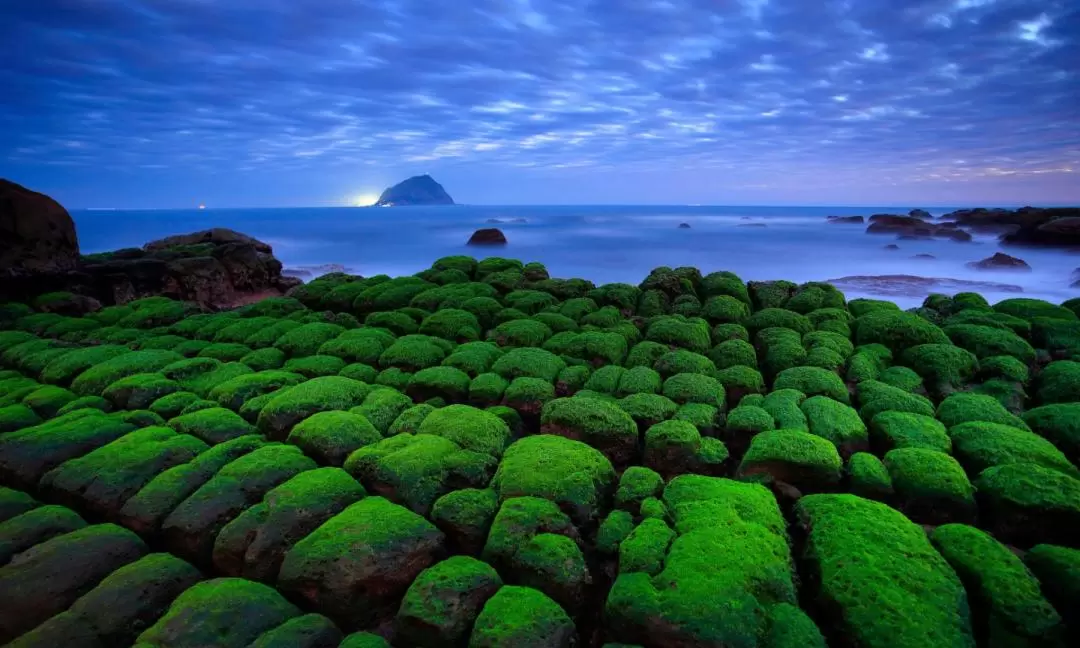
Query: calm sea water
column 603, row 244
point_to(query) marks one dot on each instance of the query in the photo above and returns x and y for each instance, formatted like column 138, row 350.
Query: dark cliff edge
column 417, row 190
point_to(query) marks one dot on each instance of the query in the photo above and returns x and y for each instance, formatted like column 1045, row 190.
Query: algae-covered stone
column 529, row 362
column 644, row 549
column 465, row 516
column 877, row 577
column 305, row 631
column 63, row 369
column 832, row 420
column 615, row 528
column 235, row 392
column 785, row 406
column 876, row 397
column 554, row 564
column 364, row 640
column 931, row 487
column 173, row 404
column 48, row 400
column 46, row 579
column 897, row 330
column 191, row 528
column 676, row 447
column 85, row 402
column 1028, row 504
column 980, row 445
column 35, row 526
column 112, row 614
column 214, row 425
column 13, row 502
column 790, row 627
column 1007, row 606
column 805, row 461
column 410, row 420
column 382, row 406
column 359, row 563
column 330, row 437
column 813, row 381
column 602, row 425
column 945, row 367
column 567, row 472
column 254, row 543
column 223, row 612
column 636, row 484
column 891, row 429
column 1058, row 571
column 145, row 511
column 967, row 407
column 519, row 519
column 17, row 417
column 522, row 617
column 100, row 375
column 103, row 480
column 868, row 477
column 1059, row 382
column 442, row 604
column 1060, row 424
column 28, row 454
column 279, row 416
column 468, row 427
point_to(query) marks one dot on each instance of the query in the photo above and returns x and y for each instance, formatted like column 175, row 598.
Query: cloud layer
column 155, row 102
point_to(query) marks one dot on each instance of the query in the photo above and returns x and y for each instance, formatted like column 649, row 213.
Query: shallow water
column 603, row 244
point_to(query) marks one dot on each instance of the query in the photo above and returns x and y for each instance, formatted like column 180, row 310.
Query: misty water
column 602, row 244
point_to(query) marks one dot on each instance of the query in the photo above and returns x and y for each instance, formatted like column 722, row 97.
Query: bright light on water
column 364, row 200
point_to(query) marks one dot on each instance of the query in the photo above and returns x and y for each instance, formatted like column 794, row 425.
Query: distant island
column 417, row 190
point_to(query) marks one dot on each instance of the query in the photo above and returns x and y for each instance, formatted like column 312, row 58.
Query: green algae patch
column 48, row 400
column 813, row 381
column 897, row 330
column 474, row 358
column 979, row 445
column 414, row 352
column 522, row 617
column 644, row 548
column 967, row 407
column 28, row 454
column 471, row 428
column 465, row 516
column 172, row 405
column 875, row 577
column 931, row 487
column 223, row 612
column 139, row 391
column 254, row 543
column 944, row 367
column 1027, row 504
column 529, row 363
column 555, row 565
column 1007, row 606
column 17, row 417
column 1059, row 382
column 876, row 397
column 104, row 479
column 613, row 530
column 315, row 366
column 360, row 562
column 382, row 406
column 94, row 380
column 416, row 470
column 734, row 353
column 305, row 631
column 1058, row 571
column 13, row 503
column 604, row 426
column 213, row 425
column 528, row 395
column 636, row 484
column 840, row 424
column 279, row 416
column 694, row 388
column 35, row 526
column 891, row 429
column 805, row 461
column 330, row 437
column 487, row 388
column 190, row 529
column 676, row 447
column 868, row 477
column 235, row 392
column 306, row 339
column 439, row 382
column 442, row 604
column 572, row 474
column 1060, row 424
column 785, row 406
column 145, row 511
column 47, row 578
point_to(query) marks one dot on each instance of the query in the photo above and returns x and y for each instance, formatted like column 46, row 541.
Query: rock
column 846, row 220
column 1000, row 261
column 65, row 303
column 914, row 286
column 417, row 190
column 893, row 224
column 892, row 246
column 312, row 272
column 920, row 213
column 953, row 234
column 1057, row 231
column 924, row 256
column 913, row 237
column 215, row 236
column 684, row 225
column 752, row 225
column 36, row 233
column 487, row 236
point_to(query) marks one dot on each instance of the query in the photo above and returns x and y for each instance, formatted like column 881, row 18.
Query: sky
column 264, row 103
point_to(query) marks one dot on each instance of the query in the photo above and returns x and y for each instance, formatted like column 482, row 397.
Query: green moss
column 452, row 324
column 85, row 402
column 733, row 353
column 644, row 549
column 892, row 429
column 785, row 407
column 1008, row 606
column 832, row 420
column 725, row 309
column 1059, row 382
column 705, row 418
column 474, row 358
column 382, row 406
column 441, row 605
column 676, row 447
column 308, row 339
column 778, row 318
column 1060, row 424
column 868, row 477
column 396, row 322
column 986, row 341
column 315, row 366
column 646, row 354
column 724, row 283
column 683, row 361
column 691, row 334
column 931, row 487
column 613, row 530
column 606, row 379
column 694, row 388
column 803, row 460
column 34, row 526
column 980, row 445
column 465, row 516
column 487, row 388
column 95, row 379
column 1028, row 309
column 202, row 375
column 597, row 347
column 528, row 395
column 567, row 472
column 813, row 381
column 413, row 353
column 1058, row 571
column 876, row 397
column 747, row 421
column 966, row 407
column 214, row 425
column 877, row 576
column 1024, row 504
column 470, row 428
column 636, row 484
column 161, row 343
column 897, row 330
column 444, row 382
column 48, row 400
column 522, row 617
column 301, row 401
column 528, row 362
column 138, row 391
column 556, row 322
column 224, row 351
column 267, row 336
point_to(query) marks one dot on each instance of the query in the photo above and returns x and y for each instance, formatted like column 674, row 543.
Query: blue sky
column 168, row 103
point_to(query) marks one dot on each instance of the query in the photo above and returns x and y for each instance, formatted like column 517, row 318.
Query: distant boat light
column 202, row 206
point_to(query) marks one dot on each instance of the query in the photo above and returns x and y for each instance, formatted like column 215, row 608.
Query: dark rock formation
column 487, row 236
column 1059, row 232
column 684, row 225
column 892, row 246
column 920, row 213
column 215, row 236
column 36, row 233
column 417, row 190
column 751, row 225
column 913, row 286
column 953, row 234
column 1037, row 226
column 909, row 228
column 924, row 256
column 1000, row 261
column 846, row 220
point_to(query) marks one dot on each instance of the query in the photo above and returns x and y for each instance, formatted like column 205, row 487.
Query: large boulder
column 487, row 236
column 215, row 236
column 36, row 233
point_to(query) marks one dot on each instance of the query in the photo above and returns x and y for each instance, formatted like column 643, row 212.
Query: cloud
column 772, row 91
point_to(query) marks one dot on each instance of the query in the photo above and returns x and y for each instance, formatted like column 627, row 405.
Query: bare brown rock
column 487, row 236
column 36, row 233
column 1000, row 261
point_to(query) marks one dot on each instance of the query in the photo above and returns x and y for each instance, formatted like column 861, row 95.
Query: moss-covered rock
column 808, row 462
column 13, row 503
column 34, row 526
column 877, row 577
column 832, row 420
column 868, row 477
column 1059, row 382
column 897, row 330
column 439, row 382
column 1007, row 606
column 734, row 353
column 330, row 437
column 103, row 373
column 573, row 475
column 988, row 341
column 28, row 454
column 676, row 447
column 553, row 564
column 452, row 324
column 522, row 617
column 778, row 318
column 967, row 407
column 358, row 565
column 47, row 578
column 214, row 425
column 304, row 631
column 442, row 604
column 86, row 402
column 301, row 401
column 1060, row 424
column 931, row 487
column 410, row 420
column 892, row 429
column 875, row 397
column 17, row 417
column 604, row 426
column 980, row 445
column 1058, row 571
column 691, row 334
column 1027, row 504
column 529, row 362
column 48, row 400
column 813, row 381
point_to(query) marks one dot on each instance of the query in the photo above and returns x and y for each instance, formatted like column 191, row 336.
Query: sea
column 610, row 243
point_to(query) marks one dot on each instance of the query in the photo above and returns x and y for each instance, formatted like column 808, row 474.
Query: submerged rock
column 684, row 225
column 417, row 190
column 920, row 213
column 924, row 256
column 846, row 220
column 892, row 246
column 913, row 286
column 36, row 233
column 1000, row 261
column 487, row 236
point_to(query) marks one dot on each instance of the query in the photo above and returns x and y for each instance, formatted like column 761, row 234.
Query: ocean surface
column 601, row 243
